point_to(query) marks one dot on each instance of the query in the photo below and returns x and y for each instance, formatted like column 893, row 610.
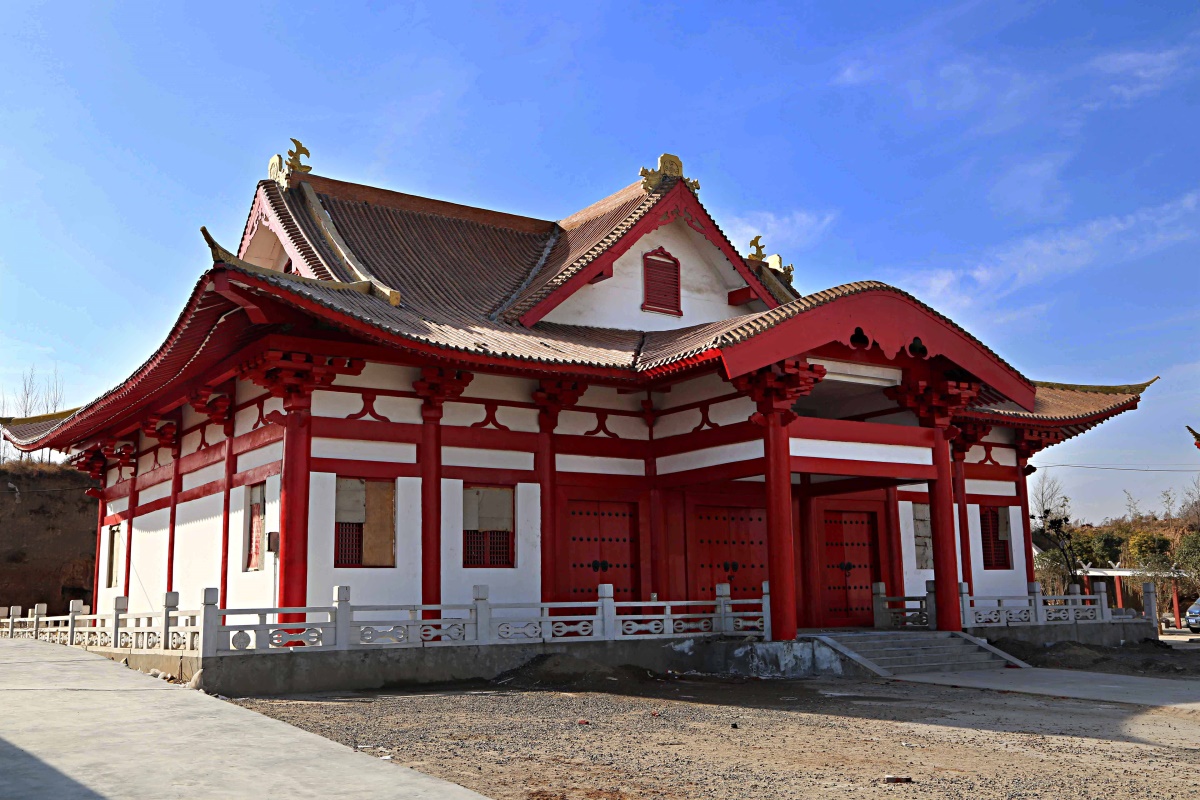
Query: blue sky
column 1029, row 169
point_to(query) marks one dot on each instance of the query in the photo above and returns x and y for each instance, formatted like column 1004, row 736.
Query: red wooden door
column 601, row 539
column 726, row 544
column 851, row 565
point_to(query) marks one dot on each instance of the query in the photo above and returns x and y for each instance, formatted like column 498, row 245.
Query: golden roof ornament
column 669, row 168
column 279, row 170
column 785, row 271
column 756, row 249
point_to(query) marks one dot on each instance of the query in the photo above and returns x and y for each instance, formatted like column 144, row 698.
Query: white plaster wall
column 610, row 397
column 1005, row 582
column 1002, row 488
column 914, row 579
column 578, row 423
column 462, row 414
column 703, row 388
column 213, row 472
column 256, row 589
column 197, row 549
column 362, row 450
column 399, row 409
column 155, row 492
column 677, row 424
column 1001, row 455
column 861, row 451
column 522, row 584
column 335, row 404
column 118, row 505
column 148, row 562
column 1001, row 435
column 602, row 465
column 256, row 458
column 494, row 459
column 705, row 275
column 710, row 457
column 243, row 421
column 501, row 387
column 739, row 409
column 381, row 376
column 398, row 585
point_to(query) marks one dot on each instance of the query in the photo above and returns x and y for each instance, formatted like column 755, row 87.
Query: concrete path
column 1099, row 686
column 76, row 725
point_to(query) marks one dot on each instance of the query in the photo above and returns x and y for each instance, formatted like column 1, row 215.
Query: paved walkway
column 76, row 725
column 1099, row 686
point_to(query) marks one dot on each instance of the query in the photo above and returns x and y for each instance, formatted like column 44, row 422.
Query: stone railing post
column 964, row 603
column 766, row 611
column 4, row 616
column 343, row 617
column 39, row 611
column 879, row 605
column 1102, row 601
column 482, row 612
column 1150, row 603
column 13, row 613
column 608, row 611
column 723, row 623
column 120, row 606
column 931, row 604
column 170, row 608
column 1038, row 615
column 210, row 624
column 1073, row 599
column 75, row 608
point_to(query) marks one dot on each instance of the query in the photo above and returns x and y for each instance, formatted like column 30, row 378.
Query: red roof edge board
column 677, row 203
column 891, row 321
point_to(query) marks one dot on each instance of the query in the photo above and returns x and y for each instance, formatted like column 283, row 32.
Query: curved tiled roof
column 1065, row 403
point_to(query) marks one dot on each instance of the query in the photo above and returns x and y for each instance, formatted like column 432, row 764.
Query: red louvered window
column 660, row 283
column 997, row 539
column 489, row 535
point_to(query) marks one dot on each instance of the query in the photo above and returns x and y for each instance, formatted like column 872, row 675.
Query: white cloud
column 795, row 231
column 854, row 73
column 1000, row 272
column 1033, row 188
column 1135, row 74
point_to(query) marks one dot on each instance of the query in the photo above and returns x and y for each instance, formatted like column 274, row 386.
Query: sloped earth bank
column 569, row 730
column 1154, row 659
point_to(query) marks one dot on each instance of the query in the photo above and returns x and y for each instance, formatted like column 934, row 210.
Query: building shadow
column 24, row 776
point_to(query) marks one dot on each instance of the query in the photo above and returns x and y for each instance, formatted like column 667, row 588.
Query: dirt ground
column 546, row 733
column 1152, row 659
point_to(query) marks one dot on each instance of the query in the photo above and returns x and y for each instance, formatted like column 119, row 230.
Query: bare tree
column 1048, row 496
column 52, row 399
column 1133, row 509
column 1189, row 508
column 4, row 452
column 1168, row 501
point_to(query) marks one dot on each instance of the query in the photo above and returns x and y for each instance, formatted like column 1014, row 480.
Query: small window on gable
column 365, row 523
column 660, row 283
column 489, row 535
column 997, row 537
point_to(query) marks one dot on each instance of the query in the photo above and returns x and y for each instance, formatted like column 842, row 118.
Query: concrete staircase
column 889, row 653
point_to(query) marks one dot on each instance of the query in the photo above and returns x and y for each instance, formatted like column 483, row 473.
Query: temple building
column 411, row 397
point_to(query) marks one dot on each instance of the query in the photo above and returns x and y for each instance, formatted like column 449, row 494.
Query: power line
column 1116, row 469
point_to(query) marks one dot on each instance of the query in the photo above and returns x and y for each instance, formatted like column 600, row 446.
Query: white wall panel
column 155, row 492
column 494, row 459
column 257, row 458
column 710, row 457
column 677, row 424
column 213, row 472
column 335, row 404
column 148, row 561
column 197, row 549
column 1002, row 488
column 363, row 450
column 601, row 465
column 399, row 409
column 861, row 451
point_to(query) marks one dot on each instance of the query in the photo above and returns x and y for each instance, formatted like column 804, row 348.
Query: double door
column 601, row 546
column 726, row 544
column 851, row 565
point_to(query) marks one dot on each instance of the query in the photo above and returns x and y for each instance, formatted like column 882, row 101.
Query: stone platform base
column 1110, row 634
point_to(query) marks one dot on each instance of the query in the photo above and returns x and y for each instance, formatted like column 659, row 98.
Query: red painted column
column 131, row 509
column 546, row 470
column 781, row 556
column 293, row 501
column 896, row 571
column 1175, row 603
column 1118, row 592
column 945, row 557
column 1027, row 524
column 102, row 507
column 230, row 464
column 964, row 529
column 176, row 481
column 431, row 502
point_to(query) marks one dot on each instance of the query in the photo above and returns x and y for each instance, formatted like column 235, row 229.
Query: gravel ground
column 619, row 736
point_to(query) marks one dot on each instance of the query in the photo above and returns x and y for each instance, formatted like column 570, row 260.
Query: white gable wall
column 705, row 275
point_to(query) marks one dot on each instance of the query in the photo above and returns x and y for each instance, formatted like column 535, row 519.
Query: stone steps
column 903, row 652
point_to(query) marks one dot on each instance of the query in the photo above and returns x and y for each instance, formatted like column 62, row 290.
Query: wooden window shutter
column 997, row 553
column 660, row 283
column 379, row 530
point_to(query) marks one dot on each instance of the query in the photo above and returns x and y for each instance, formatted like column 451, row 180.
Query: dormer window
column 660, row 283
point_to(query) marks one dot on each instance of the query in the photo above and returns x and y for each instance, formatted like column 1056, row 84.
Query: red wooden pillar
column 293, row 500
column 964, row 528
column 1175, row 603
column 781, row 556
column 1027, row 524
column 99, row 543
column 775, row 389
column 96, row 465
column 896, row 568
column 812, row 533
column 176, row 488
column 945, row 558
column 1118, row 592
column 551, row 397
column 131, row 510
column 436, row 386
column 230, row 462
